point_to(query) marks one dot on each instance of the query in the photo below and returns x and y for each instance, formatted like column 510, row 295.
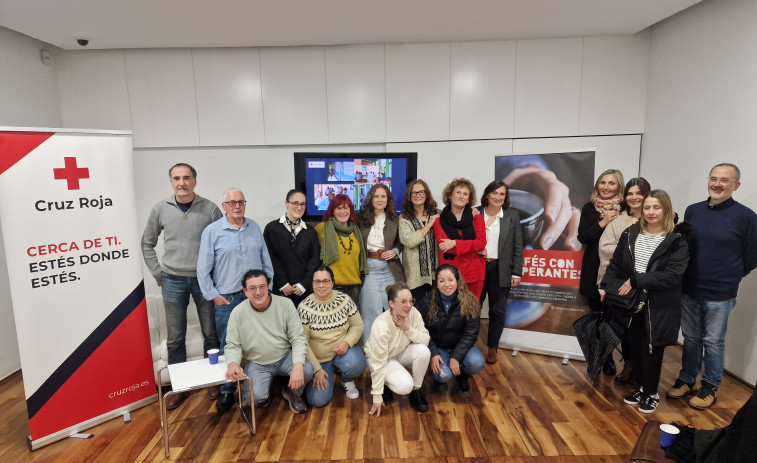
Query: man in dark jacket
column 723, row 252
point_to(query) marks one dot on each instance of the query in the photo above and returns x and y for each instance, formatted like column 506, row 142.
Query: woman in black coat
column 651, row 255
column 451, row 315
column 597, row 214
column 294, row 250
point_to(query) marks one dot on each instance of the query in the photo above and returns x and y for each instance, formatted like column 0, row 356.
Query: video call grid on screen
column 323, row 176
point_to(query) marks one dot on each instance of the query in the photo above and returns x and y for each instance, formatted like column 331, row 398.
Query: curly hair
column 339, row 201
column 367, row 214
column 459, row 182
column 408, row 208
column 469, row 306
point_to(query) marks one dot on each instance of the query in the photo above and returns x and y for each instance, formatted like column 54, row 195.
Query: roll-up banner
column 548, row 191
column 68, row 215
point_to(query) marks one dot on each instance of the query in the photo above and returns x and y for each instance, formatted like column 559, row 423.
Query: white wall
column 360, row 93
column 701, row 110
column 28, row 97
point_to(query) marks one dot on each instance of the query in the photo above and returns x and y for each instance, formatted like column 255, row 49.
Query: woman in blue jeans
column 379, row 226
column 332, row 327
column 451, row 314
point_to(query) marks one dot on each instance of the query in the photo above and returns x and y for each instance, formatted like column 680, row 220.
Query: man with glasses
column 723, row 252
column 267, row 332
column 294, row 250
column 181, row 218
column 228, row 248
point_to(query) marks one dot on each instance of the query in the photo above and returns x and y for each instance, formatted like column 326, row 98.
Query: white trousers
column 398, row 379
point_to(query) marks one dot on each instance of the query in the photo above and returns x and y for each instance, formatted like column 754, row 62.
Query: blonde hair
column 618, row 178
column 667, row 212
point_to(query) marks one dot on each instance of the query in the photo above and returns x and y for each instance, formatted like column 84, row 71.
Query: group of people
column 688, row 273
column 298, row 301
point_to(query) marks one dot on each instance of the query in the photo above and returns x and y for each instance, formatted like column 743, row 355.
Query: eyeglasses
column 235, row 203
column 418, row 193
column 297, row 204
column 321, row 282
column 722, row 181
column 405, row 301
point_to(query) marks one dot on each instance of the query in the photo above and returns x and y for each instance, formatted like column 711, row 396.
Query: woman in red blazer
column 461, row 236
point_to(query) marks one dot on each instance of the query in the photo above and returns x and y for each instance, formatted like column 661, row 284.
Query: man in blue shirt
column 228, row 248
column 723, row 252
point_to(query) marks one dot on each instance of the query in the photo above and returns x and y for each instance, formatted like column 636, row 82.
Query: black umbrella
column 598, row 334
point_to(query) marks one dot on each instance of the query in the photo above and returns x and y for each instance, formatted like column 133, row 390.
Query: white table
column 198, row 374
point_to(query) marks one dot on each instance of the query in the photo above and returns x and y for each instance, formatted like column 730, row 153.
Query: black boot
column 418, row 401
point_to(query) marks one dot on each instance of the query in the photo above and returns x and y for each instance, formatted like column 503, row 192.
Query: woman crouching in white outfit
column 398, row 339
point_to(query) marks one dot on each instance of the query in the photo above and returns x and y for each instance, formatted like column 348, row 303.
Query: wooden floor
column 524, row 409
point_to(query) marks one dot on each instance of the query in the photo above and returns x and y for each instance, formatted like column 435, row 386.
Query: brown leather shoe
column 175, row 400
column 491, row 355
column 214, row 392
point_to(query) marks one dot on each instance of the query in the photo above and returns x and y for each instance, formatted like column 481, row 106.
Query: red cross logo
column 71, row 173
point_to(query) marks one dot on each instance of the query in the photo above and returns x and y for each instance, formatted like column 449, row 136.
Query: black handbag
column 633, row 302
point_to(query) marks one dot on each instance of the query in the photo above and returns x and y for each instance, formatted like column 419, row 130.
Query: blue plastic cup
column 668, row 434
column 213, row 356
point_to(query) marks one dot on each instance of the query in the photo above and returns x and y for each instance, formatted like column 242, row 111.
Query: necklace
column 346, row 249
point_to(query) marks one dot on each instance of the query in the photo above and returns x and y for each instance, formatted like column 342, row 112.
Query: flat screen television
column 321, row 175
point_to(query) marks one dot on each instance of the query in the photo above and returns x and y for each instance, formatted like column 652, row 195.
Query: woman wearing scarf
column 294, row 251
column 597, row 214
column 420, row 255
column 460, row 235
column 341, row 246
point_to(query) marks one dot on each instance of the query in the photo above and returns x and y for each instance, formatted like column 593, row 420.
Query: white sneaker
column 350, row 390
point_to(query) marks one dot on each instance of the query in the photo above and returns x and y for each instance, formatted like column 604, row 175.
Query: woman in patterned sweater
column 332, row 326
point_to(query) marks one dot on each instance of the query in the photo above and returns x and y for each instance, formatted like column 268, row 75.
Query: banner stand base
column 75, row 430
column 543, row 351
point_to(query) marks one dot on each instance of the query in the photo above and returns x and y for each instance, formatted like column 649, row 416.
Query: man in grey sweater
column 181, row 218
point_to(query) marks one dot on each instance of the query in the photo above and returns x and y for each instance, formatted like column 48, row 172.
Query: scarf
column 426, row 266
column 330, row 245
column 602, row 205
column 457, row 229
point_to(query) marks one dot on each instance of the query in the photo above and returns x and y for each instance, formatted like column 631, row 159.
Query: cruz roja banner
column 548, row 191
column 69, row 218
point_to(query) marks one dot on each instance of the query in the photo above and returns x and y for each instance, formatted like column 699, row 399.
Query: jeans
column 704, row 325
column 351, row 365
column 223, row 312
column 472, row 364
column 497, row 301
column 373, row 300
column 176, row 291
column 262, row 375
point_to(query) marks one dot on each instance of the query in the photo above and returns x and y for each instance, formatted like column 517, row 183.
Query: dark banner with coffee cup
column 548, row 191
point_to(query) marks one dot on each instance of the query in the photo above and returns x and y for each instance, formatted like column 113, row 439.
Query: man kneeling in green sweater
column 266, row 331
